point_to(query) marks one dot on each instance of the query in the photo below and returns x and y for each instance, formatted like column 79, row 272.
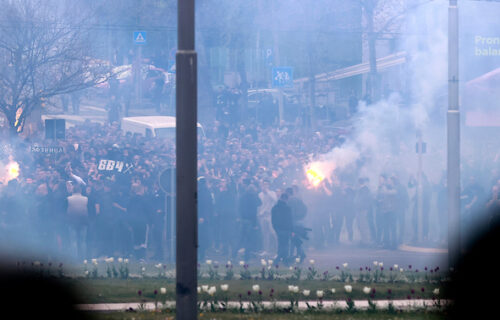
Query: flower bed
column 257, row 288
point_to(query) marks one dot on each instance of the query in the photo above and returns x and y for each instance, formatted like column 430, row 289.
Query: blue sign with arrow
column 282, row 77
column 140, row 37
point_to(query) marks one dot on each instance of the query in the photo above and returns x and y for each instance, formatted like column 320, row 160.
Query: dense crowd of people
column 101, row 196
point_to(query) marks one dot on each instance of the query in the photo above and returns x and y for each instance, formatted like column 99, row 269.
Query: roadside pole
column 276, row 52
column 453, row 128
column 420, row 189
column 139, row 80
column 186, row 164
column 139, row 41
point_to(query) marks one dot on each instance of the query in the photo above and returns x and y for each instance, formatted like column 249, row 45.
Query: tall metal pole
column 420, row 189
column 453, row 137
column 276, row 53
column 186, row 163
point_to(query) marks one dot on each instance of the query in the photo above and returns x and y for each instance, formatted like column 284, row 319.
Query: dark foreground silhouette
column 26, row 295
column 475, row 285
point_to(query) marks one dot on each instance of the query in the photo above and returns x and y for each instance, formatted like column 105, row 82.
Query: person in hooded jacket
column 281, row 216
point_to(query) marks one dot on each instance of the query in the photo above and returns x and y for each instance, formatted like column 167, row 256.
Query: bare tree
column 381, row 17
column 44, row 52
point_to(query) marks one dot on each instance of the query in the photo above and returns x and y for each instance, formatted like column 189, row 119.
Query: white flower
column 269, row 267
column 311, row 261
column 164, row 290
column 401, row 270
column 270, row 262
column 126, row 260
column 209, row 262
column 345, row 265
column 158, row 266
column 348, row 288
column 436, row 291
column 375, row 263
column 306, row 292
column 255, row 287
column 396, row 267
column 204, row 288
column 143, row 269
column 229, row 263
column 380, row 264
column 86, row 272
column 263, row 262
column 109, row 260
column 291, row 268
column 320, row 293
column 94, row 261
column 332, row 290
column 242, row 263
column 199, row 290
column 212, row 291
column 224, row 287
column 366, row 290
column 297, row 260
column 84, row 261
column 120, row 260
column 293, row 289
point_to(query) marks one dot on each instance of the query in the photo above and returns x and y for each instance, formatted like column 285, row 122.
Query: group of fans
column 99, row 195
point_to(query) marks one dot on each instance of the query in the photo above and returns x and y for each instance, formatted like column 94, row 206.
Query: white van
column 153, row 126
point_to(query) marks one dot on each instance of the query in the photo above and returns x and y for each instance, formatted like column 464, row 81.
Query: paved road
column 359, row 304
column 356, row 257
column 360, row 257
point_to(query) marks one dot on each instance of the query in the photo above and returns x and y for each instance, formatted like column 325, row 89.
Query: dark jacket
column 281, row 217
column 248, row 205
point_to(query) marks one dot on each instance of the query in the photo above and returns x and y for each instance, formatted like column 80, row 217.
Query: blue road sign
column 282, row 77
column 269, row 57
column 140, row 37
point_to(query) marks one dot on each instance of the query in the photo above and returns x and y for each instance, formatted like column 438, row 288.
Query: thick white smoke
column 384, row 134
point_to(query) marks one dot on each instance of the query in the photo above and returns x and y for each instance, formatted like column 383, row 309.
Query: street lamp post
column 453, row 127
column 186, row 164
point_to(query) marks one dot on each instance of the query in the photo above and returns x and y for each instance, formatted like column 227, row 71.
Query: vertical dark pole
column 453, row 138
column 186, row 162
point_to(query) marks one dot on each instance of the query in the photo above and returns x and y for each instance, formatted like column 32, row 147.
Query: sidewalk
column 406, row 305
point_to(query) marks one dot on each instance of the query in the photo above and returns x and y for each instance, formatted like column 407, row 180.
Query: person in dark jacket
column 299, row 212
column 138, row 214
column 364, row 212
column 248, row 204
column 205, row 216
column 281, row 217
column 225, row 208
column 387, row 198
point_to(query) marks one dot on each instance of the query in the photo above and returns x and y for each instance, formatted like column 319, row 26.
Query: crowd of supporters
column 99, row 195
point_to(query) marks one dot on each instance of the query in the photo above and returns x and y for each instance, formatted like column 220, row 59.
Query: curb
column 405, row 247
column 407, row 305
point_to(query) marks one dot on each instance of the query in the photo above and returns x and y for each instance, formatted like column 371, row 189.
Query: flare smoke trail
column 384, row 134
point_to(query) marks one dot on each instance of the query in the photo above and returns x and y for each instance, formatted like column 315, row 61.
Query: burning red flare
column 12, row 171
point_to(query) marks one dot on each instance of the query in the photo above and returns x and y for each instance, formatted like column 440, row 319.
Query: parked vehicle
column 153, row 126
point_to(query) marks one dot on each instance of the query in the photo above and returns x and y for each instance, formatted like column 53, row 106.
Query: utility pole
column 420, row 189
column 453, row 128
column 186, row 164
column 276, row 53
